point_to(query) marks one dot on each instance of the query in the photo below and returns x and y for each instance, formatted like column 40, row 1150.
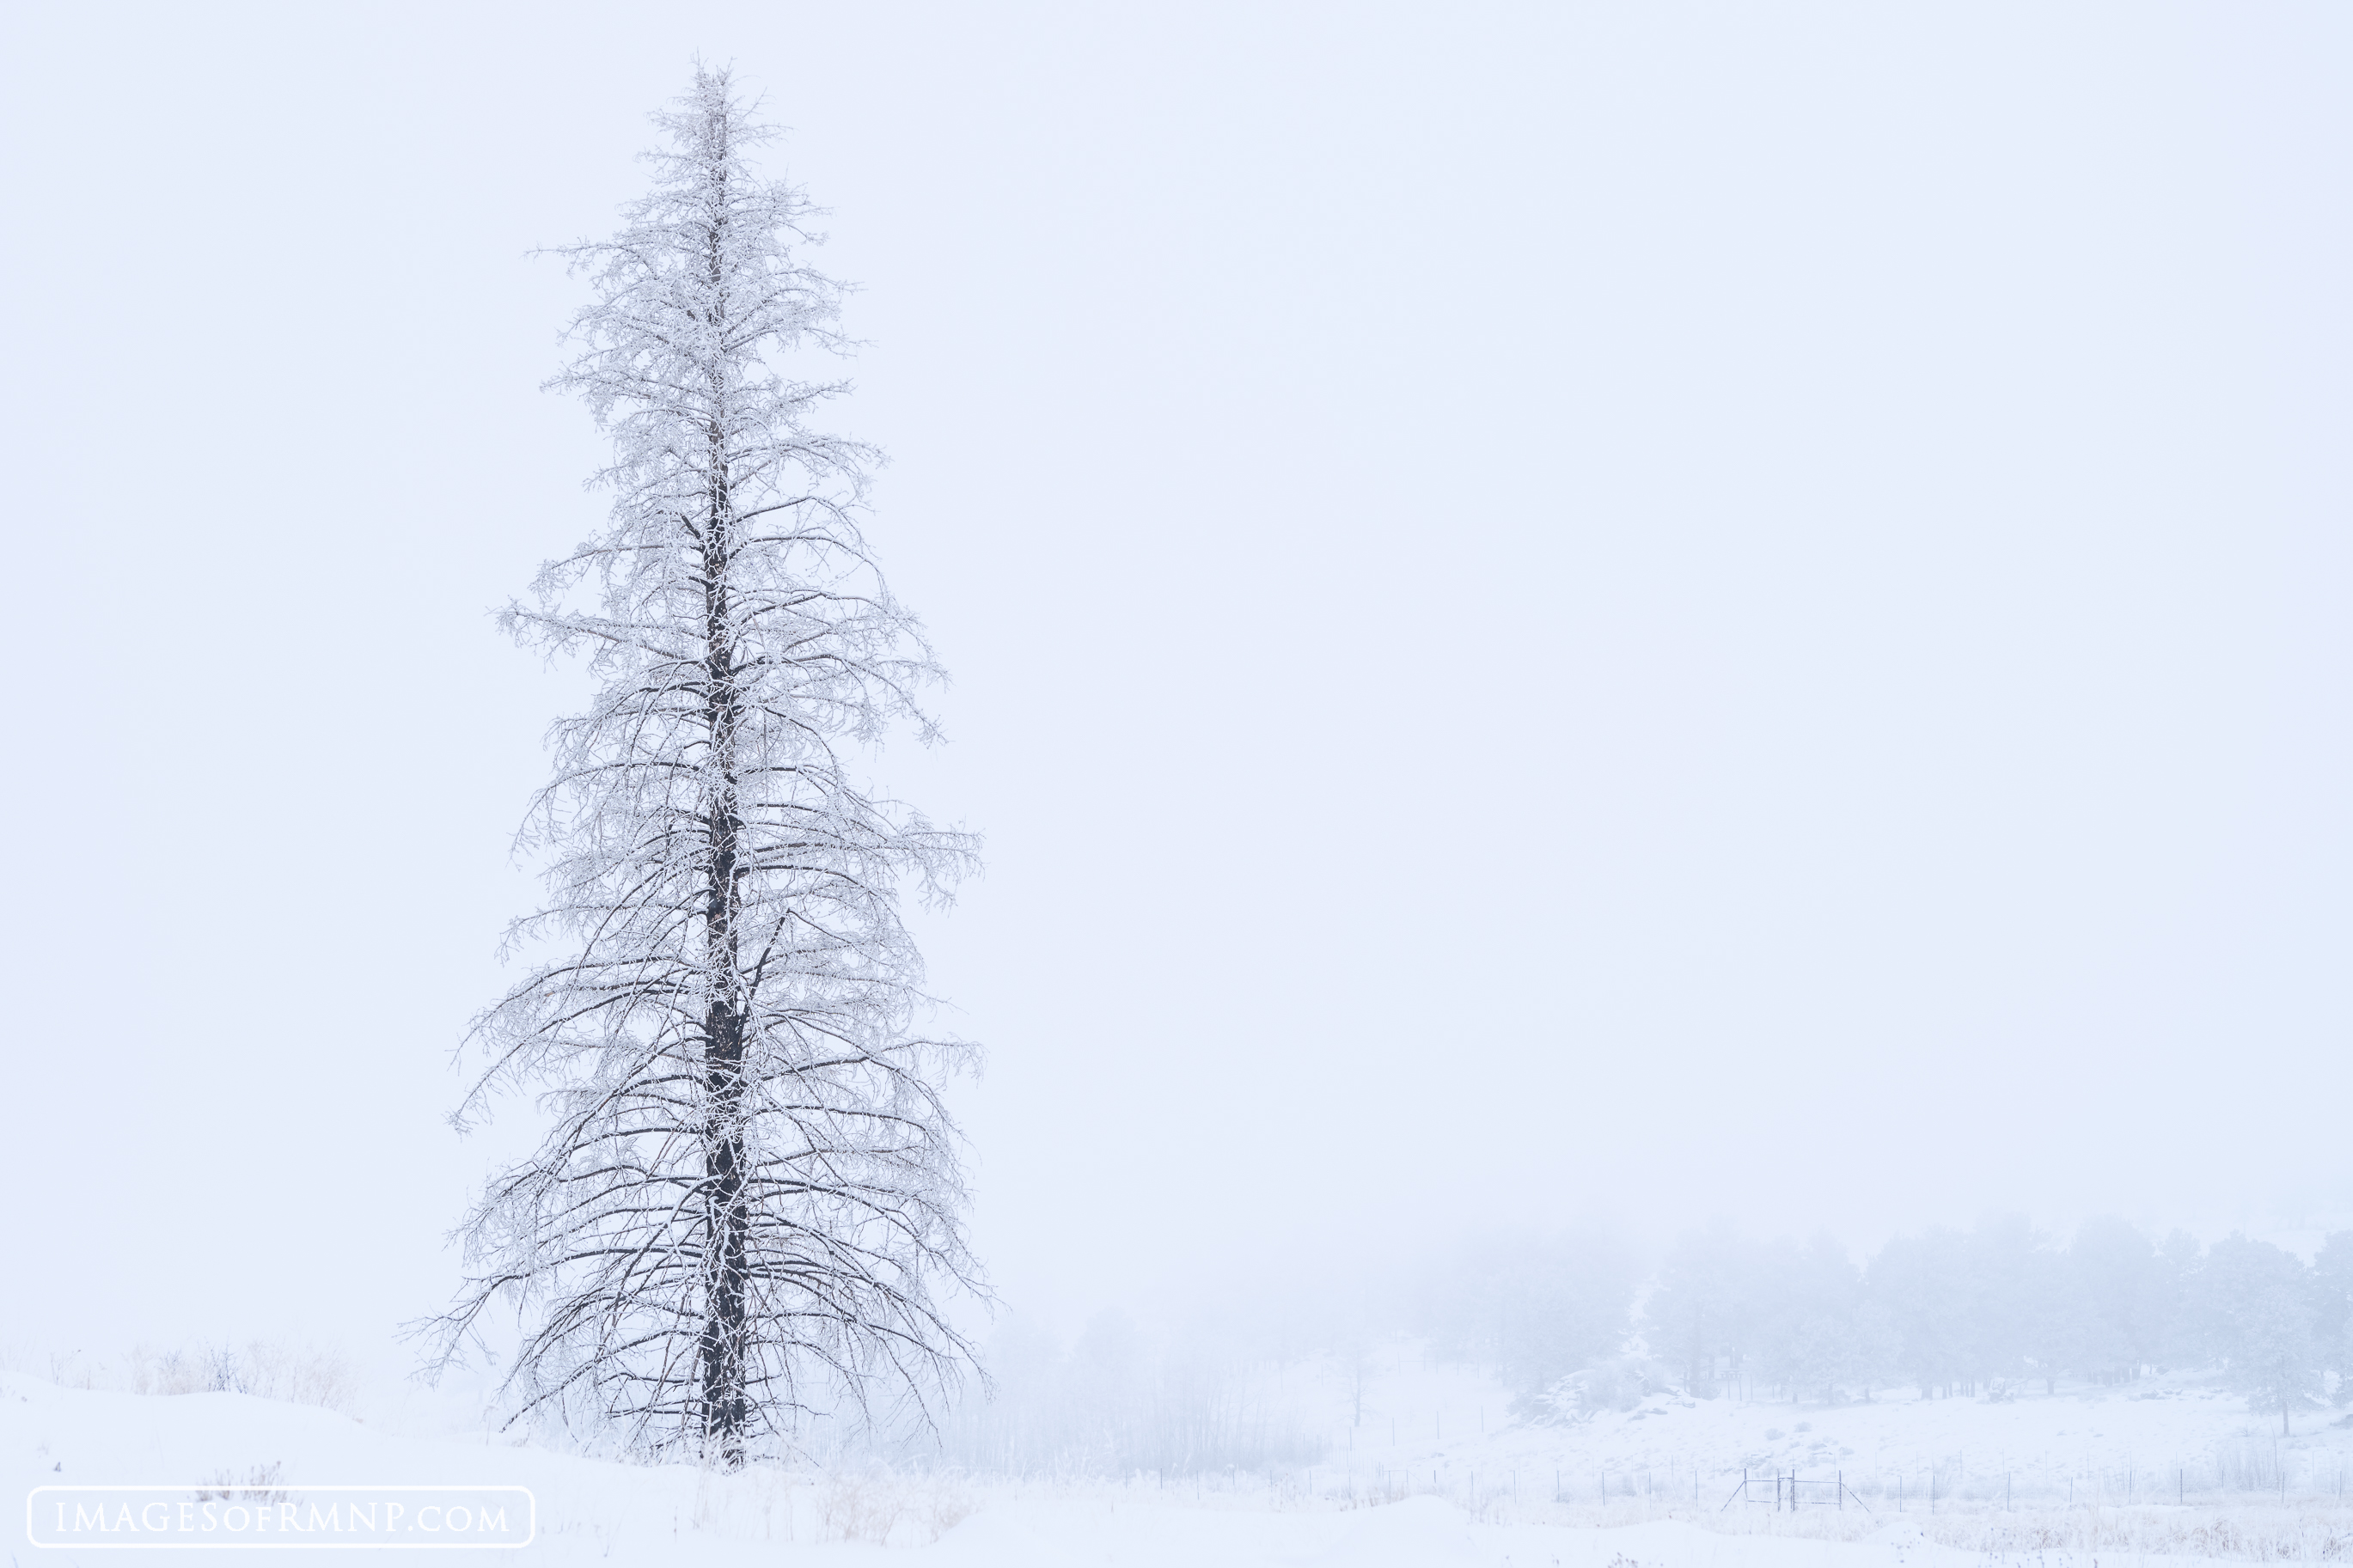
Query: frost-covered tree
column 1818, row 1332
column 1928, row 1288
column 2125, row 1293
column 1701, row 1310
column 746, row 1212
column 2021, row 1309
column 1534, row 1309
column 2332, row 1308
column 2254, row 1303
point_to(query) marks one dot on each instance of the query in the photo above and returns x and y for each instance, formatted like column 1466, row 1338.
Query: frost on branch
column 750, row 1194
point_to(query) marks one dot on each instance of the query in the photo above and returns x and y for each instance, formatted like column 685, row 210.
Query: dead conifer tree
column 748, row 1204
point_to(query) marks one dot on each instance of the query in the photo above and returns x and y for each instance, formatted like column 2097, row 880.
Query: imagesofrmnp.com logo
column 281, row 1516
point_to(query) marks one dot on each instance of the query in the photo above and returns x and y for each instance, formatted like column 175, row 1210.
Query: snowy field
column 2205, row 1482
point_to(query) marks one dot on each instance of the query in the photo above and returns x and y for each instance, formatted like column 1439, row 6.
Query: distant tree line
column 1986, row 1311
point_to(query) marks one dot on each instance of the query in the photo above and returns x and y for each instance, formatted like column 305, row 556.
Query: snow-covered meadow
column 2168, row 1469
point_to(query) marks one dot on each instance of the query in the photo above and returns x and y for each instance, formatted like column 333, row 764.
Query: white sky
column 1643, row 611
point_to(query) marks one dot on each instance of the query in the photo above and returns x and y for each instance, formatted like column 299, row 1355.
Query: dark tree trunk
column 726, row 1410
column 726, row 1404
column 725, row 1397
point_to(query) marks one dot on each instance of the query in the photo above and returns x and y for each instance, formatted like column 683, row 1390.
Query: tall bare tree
column 747, row 1208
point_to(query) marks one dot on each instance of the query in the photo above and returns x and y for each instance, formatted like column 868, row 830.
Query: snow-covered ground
column 2177, row 1439
column 2163, row 1439
column 1455, row 1494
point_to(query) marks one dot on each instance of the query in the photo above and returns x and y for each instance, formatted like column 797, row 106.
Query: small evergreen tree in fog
column 2123, row 1290
column 2254, row 1302
column 2332, row 1308
column 750, row 1196
column 1702, row 1311
column 1535, row 1310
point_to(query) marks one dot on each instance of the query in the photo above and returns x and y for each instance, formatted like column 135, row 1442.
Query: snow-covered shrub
column 298, row 1375
column 1620, row 1384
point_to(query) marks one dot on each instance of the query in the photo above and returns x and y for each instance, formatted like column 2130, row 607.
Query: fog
column 1566, row 621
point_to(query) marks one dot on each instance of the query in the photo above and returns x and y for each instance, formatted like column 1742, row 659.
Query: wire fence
column 2250, row 1474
